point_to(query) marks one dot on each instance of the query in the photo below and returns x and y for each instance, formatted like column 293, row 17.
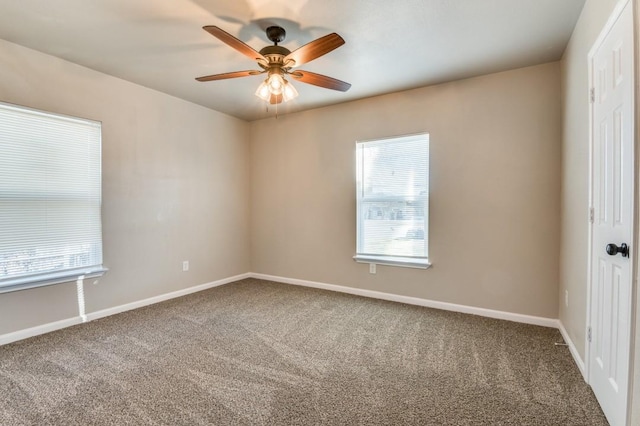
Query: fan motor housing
column 275, row 54
column 275, row 50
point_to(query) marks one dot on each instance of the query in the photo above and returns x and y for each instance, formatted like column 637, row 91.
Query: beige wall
column 575, row 169
column 178, row 181
column 175, row 186
column 495, row 198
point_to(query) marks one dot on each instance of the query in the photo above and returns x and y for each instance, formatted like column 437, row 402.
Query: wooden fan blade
column 320, row 80
column 227, row 75
column 232, row 41
column 313, row 50
column 275, row 99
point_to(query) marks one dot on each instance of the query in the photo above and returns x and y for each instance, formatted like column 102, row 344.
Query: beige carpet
column 262, row 353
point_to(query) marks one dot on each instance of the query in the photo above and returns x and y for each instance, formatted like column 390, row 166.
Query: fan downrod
column 276, row 34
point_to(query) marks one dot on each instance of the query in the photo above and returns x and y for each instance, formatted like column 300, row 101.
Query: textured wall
column 175, row 186
column 495, row 191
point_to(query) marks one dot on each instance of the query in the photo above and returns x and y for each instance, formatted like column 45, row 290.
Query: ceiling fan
column 277, row 62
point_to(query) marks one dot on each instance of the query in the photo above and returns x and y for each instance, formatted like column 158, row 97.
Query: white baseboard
column 40, row 329
column 574, row 352
column 53, row 326
column 527, row 319
column 161, row 298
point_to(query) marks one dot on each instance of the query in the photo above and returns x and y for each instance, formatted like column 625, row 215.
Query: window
column 393, row 201
column 50, row 198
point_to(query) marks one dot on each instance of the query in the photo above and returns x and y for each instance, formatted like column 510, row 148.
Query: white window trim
column 33, row 281
column 400, row 261
column 406, row 262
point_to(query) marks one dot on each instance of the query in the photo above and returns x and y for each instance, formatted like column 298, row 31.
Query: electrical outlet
column 372, row 268
column 185, row 266
column 566, row 298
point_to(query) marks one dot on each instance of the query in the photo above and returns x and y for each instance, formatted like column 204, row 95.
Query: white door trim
column 617, row 11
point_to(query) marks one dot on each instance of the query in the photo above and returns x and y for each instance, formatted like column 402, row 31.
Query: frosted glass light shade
column 276, row 83
column 263, row 91
column 289, row 92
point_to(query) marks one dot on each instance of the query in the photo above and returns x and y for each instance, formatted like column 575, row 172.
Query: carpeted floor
column 261, row 353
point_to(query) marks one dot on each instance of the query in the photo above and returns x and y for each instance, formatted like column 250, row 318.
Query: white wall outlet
column 372, row 268
column 566, row 298
column 185, row 265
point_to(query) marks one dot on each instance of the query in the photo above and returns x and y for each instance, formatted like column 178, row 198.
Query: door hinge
column 589, row 334
column 591, row 215
column 592, row 95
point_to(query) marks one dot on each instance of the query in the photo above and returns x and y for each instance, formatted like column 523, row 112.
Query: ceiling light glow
column 276, row 87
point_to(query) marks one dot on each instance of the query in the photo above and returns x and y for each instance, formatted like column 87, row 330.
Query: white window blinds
column 392, row 200
column 50, row 198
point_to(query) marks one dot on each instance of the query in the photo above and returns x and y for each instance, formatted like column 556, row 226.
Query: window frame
column 70, row 272
column 419, row 262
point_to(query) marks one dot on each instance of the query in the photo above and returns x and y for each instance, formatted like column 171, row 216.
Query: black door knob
column 613, row 249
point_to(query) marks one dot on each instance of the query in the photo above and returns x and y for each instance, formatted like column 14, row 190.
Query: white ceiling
column 390, row 45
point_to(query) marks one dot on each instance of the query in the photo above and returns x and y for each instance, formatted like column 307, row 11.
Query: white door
column 612, row 195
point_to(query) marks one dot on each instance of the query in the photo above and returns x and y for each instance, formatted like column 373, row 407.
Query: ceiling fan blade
column 313, row 50
column 320, row 80
column 275, row 99
column 227, row 75
column 232, row 41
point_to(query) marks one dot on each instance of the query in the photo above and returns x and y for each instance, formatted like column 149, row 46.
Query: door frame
column 615, row 14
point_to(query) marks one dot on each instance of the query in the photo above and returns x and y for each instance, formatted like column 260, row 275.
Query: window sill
column 405, row 262
column 42, row 280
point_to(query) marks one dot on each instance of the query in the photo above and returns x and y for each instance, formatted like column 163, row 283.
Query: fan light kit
column 276, row 85
column 277, row 62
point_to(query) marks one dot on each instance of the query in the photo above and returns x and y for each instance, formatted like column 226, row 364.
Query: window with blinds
column 393, row 201
column 50, row 198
